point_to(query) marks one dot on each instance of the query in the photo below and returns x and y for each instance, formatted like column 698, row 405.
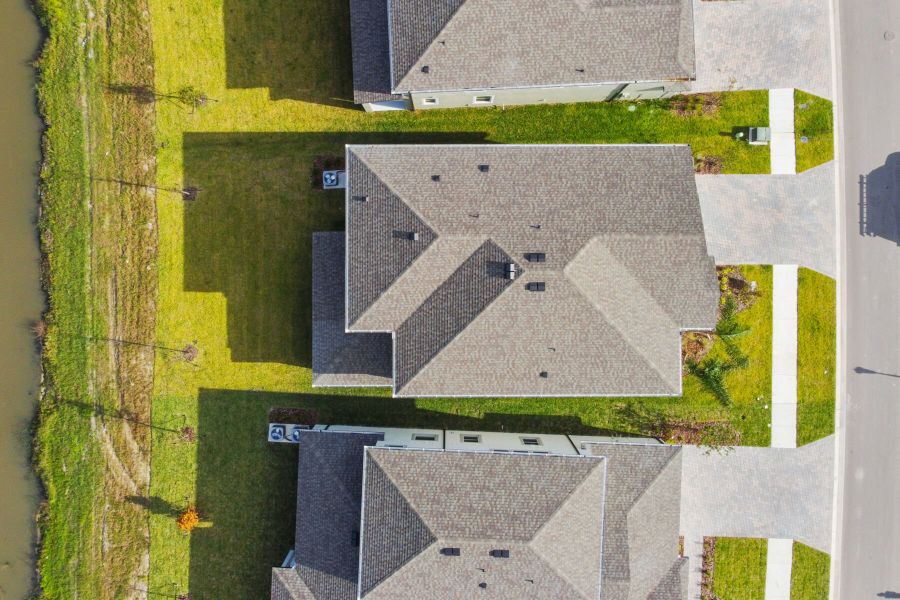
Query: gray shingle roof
column 481, row 44
column 546, row 510
column 602, row 526
column 626, row 266
column 329, row 492
column 340, row 358
column 371, row 61
column 641, row 525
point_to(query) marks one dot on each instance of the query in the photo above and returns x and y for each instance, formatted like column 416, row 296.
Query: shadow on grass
column 248, row 234
column 299, row 50
column 246, row 487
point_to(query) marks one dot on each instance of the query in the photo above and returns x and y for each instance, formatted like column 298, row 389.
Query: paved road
column 868, row 556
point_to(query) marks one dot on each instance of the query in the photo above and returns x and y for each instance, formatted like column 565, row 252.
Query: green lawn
column 234, row 269
column 816, row 351
column 810, row 573
column 740, row 569
column 233, row 272
column 813, row 120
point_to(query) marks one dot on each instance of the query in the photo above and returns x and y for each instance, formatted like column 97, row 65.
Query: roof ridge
column 397, row 79
column 598, row 239
column 655, row 477
column 440, row 248
column 575, row 489
column 373, row 459
column 390, row 188
column 374, row 173
column 485, row 246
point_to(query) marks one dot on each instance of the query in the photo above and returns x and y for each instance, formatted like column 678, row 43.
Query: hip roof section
column 625, row 267
column 480, row 44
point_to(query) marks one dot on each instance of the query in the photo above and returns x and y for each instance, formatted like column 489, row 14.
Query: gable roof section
column 640, row 529
column 538, row 507
column 449, row 310
column 379, row 248
column 626, row 266
column 371, row 52
column 481, row 44
column 329, row 491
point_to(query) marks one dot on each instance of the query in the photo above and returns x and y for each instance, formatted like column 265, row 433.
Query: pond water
column 20, row 298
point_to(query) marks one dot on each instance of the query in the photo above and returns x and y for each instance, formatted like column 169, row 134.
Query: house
column 451, row 53
column 514, row 271
column 378, row 522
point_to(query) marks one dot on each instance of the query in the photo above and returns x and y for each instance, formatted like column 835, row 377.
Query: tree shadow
column 156, row 505
column 299, row 50
column 248, row 233
column 247, row 488
column 879, row 201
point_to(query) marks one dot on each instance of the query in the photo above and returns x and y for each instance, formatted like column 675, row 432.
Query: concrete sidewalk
column 782, row 147
column 784, row 356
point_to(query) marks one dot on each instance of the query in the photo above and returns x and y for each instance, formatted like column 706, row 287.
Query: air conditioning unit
column 334, row 180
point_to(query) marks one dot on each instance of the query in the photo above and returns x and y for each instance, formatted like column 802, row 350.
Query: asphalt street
column 867, row 555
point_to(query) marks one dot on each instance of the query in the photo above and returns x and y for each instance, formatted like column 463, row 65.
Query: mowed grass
column 740, row 571
column 234, row 272
column 813, row 119
column 236, row 282
column 810, row 573
column 816, row 350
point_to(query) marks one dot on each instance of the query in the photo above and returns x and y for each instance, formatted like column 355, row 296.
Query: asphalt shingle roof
column 329, row 493
column 626, row 266
column 480, row 44
column 532, row 506
column 575, row 527
column 340, row 358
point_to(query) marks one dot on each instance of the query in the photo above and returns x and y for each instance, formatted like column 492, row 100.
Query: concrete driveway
column 760, row 493
column 771, row 219
column 763, row 44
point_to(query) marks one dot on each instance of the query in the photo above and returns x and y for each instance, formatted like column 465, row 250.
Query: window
column 536, row 257
column 429, row 100
column 499, row 553
column 483, row 100
column 531, row 441
column 425, row 437
column 536, row 286
column 393, row 446
column 450, row 551
column 470, row 438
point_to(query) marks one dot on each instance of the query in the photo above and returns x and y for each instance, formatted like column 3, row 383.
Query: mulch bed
column 708, row 165
column 293, row 416
column 694, row 105
column 707, row 569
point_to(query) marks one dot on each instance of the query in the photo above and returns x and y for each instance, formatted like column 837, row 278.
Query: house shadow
column 298, row 50
column 246, row 487
column 879, row 201
column 248, row 232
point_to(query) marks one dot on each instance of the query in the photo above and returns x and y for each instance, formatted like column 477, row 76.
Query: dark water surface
column 20, row 298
